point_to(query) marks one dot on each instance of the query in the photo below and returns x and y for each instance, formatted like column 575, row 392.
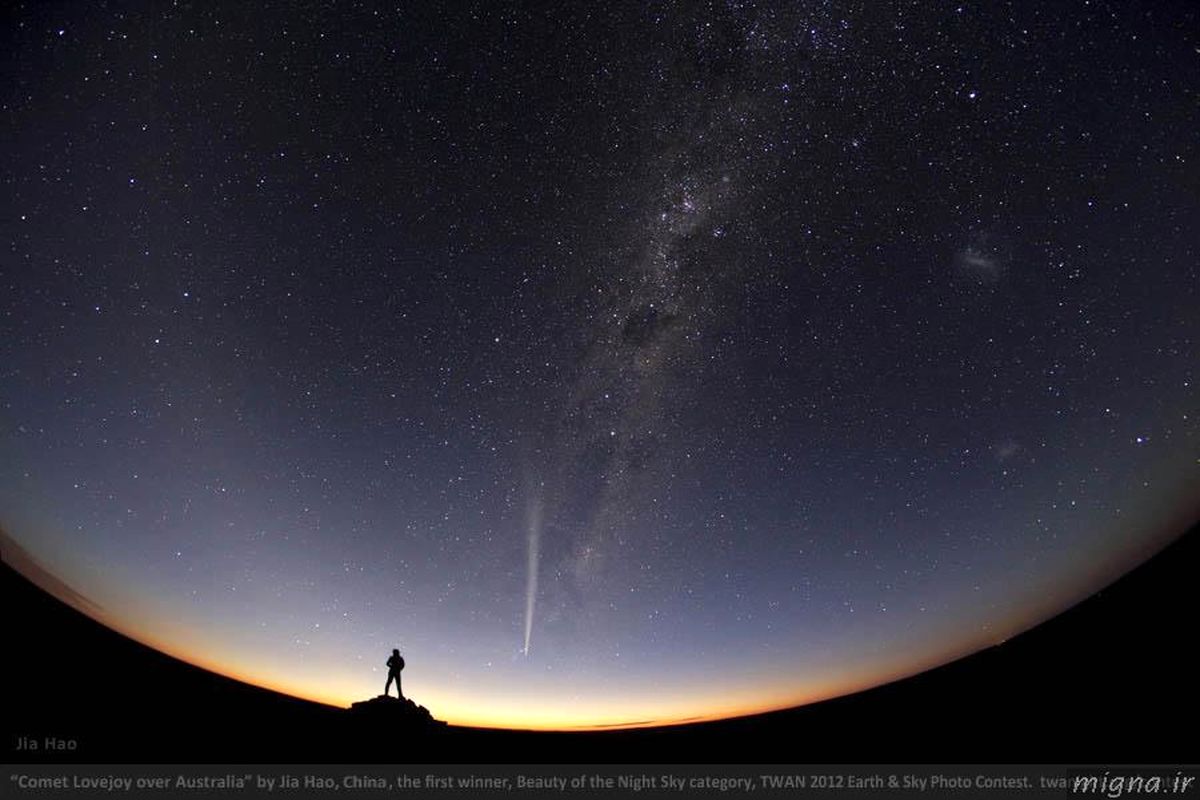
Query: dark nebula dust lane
column 615, row 364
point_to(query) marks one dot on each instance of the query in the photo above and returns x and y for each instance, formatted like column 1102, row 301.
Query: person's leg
column 387, row 686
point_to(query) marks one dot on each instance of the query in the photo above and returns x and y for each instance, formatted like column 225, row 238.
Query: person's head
column 395, row 651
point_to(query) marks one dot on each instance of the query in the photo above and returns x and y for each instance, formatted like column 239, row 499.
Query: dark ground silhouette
column 1097, row 684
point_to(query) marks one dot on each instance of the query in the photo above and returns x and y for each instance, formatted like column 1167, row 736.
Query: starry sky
column 620, row 364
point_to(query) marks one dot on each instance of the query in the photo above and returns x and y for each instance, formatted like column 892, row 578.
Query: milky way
column 653, row 363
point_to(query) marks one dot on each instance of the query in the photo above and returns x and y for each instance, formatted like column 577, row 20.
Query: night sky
column 619, row 365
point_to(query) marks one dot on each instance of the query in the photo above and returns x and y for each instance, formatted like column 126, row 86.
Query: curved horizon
column 647, row 363
column 1108, row 574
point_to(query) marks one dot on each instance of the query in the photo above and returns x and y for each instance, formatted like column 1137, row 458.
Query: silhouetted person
column 395, row 663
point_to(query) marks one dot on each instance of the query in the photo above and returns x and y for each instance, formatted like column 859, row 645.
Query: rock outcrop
column 393, row 712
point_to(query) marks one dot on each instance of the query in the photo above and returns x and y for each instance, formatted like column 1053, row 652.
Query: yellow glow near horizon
column 495, row 705
column 636, row 709
column 517, row 713
column 503, row 712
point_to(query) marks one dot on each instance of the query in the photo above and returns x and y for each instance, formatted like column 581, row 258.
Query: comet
column 533, row 538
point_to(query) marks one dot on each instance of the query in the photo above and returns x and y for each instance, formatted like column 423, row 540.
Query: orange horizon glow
column 636, row 710
column 451, row 709
column 458, row 712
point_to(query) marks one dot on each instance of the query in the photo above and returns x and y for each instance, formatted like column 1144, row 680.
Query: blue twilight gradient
column 822, row 344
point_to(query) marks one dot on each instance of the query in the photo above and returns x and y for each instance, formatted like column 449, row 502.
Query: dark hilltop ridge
column 1109, row 680
column 388, row 710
